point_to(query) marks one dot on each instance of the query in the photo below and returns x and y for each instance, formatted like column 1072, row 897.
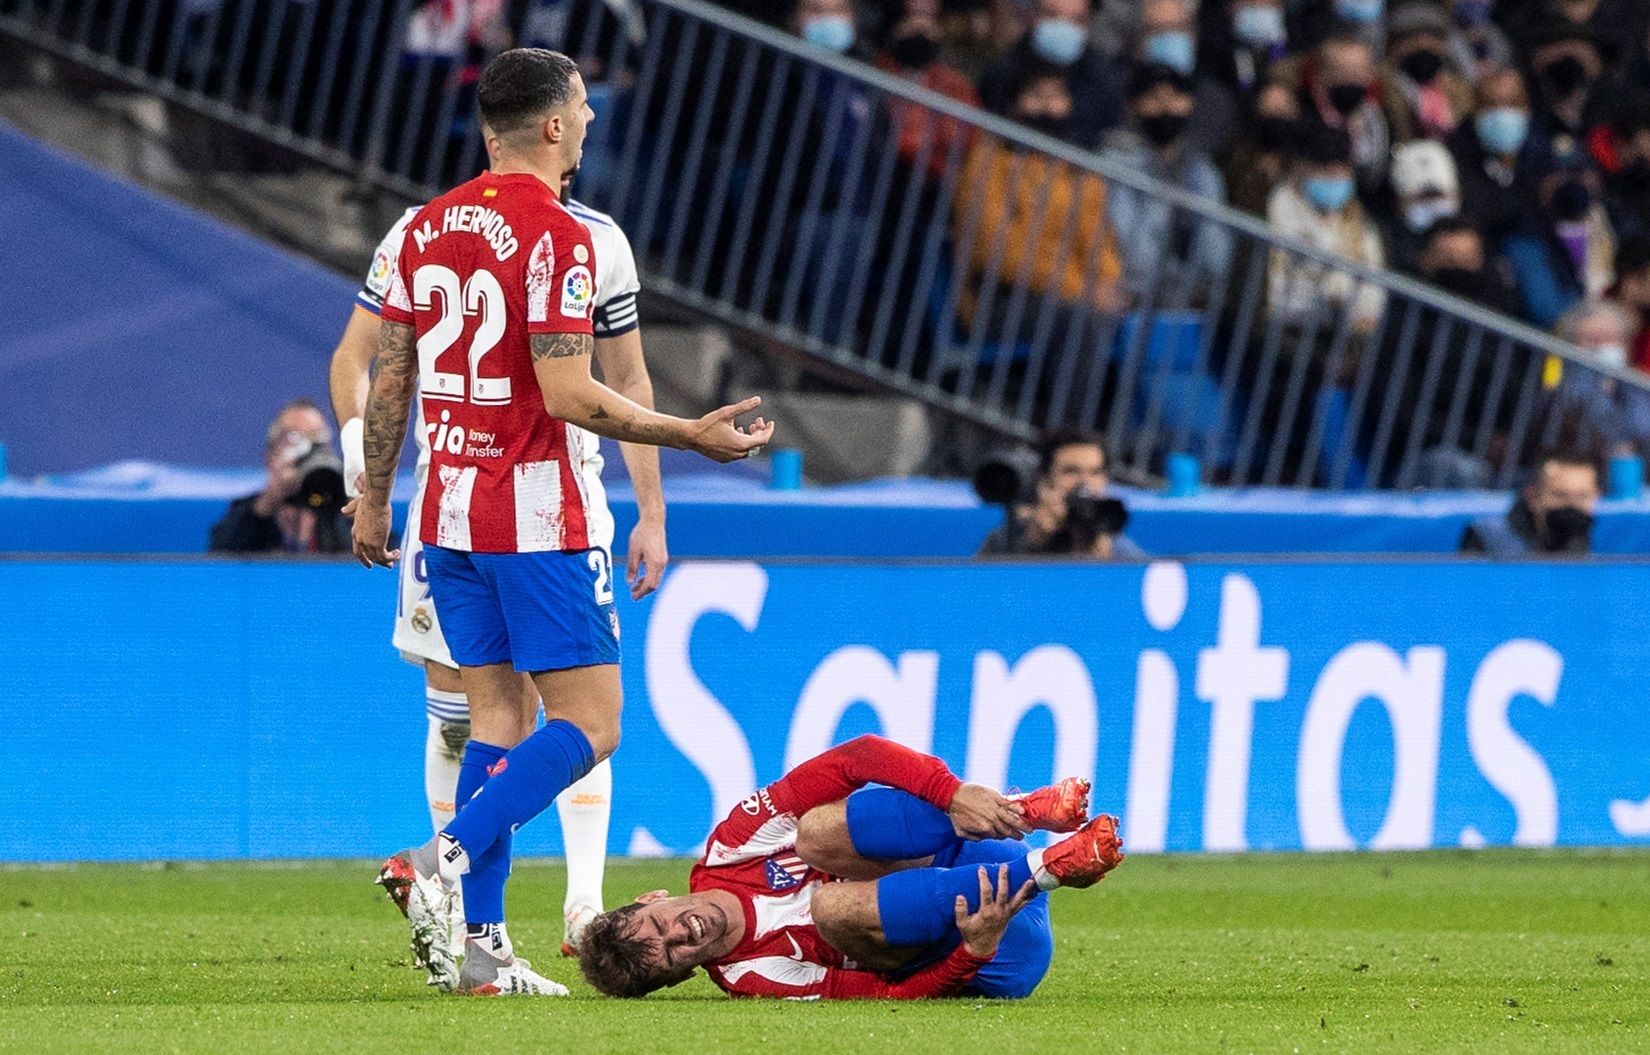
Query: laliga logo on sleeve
column 578, row 290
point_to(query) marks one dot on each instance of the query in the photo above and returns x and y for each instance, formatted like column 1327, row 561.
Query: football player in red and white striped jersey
column 488, row 321
column 812, row 888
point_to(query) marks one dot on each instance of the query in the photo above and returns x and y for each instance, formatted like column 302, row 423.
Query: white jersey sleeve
column 617, row 281
column 377, row 285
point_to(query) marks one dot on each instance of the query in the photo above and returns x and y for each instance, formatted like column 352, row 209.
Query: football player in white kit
column 585, row 807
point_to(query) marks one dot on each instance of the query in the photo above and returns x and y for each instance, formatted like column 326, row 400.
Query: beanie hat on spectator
column 1152, row 74
column 1318, row 144
column 1424, row 167
column 1416, row 18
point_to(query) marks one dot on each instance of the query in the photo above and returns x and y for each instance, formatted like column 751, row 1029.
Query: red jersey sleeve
column 561, row 277
column 787, row 980
column 864, row 760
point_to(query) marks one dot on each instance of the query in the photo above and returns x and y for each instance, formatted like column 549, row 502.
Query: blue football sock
column 523, row 783
column 472, row 769
column 918, row 906
column 484, row 883
column 886, row 824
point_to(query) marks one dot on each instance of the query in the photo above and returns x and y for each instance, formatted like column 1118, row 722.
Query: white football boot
column 427, row 903
column 484, row 974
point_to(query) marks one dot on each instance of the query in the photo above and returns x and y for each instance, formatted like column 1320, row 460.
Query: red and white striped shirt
column 752, row 855
column 481, row 269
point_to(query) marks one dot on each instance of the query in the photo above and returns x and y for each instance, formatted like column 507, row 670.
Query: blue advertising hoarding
column 204, row 709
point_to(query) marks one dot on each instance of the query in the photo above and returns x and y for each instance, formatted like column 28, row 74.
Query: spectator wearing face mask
column 1564, row 252
column 1185, row 254
column 1478, row 46
column 1335, row 85
column 1168, row 37
column 1492, row 159
column 1024, row 220
column 1632, row 294
column 1455, row 258
column 1319, row 205
column 1058, row 38
column 1423, row 96
column 913, row 53
column 1565, row 60
column 1260, row 161
column 1552, row 515
column 1623, row 148
column 1426, row 188
column 927, row 143
column 1589, row 410
column 830, row 24
column 1452, row 397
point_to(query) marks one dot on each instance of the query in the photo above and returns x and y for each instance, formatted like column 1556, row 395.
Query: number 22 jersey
column 482, row 268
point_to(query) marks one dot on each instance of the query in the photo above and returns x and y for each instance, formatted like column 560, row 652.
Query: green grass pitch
column 1497, row 951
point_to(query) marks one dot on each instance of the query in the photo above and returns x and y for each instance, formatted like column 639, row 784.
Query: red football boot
column 1085, row 858
column 1062, row 807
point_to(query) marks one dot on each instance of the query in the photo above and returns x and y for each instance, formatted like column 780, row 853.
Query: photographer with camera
column 1064, row 510
column 298, row 509
column 1553, row 516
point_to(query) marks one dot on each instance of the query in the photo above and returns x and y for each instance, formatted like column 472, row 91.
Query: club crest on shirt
column 578, row 290
column 785, row 873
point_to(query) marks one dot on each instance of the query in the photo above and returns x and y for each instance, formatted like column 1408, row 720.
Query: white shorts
column 417, row 628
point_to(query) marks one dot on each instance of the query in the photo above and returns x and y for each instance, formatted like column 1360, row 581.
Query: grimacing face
column 684, row 930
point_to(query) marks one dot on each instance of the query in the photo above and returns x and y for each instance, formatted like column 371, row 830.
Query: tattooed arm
column 562, row 363
column 395, row 374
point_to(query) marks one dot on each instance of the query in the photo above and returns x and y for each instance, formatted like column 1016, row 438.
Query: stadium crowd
column 1498, row 150
column 1356, row 125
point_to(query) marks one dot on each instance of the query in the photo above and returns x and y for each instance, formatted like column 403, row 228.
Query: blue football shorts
column 539, row 611
column 1027, row 947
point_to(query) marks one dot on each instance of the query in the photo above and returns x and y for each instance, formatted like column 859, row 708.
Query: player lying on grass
column 812, row 888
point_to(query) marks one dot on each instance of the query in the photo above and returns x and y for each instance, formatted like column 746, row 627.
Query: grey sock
column 425, row 860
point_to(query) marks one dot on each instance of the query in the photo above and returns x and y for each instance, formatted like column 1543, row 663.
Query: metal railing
column 936, row 249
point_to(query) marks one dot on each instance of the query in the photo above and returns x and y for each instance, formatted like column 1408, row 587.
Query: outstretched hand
column 717, row 437
column 978, row 812
column 982, row 930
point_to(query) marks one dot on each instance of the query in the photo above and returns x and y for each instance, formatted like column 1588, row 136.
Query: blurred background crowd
column 1499, row 149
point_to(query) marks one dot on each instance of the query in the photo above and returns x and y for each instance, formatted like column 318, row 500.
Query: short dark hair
column 523, row 84
column 1038, row 70
column 617, row 961
column 1058, row 440
column 1318, row 144
column 1151, row 75
column 1572, row 457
